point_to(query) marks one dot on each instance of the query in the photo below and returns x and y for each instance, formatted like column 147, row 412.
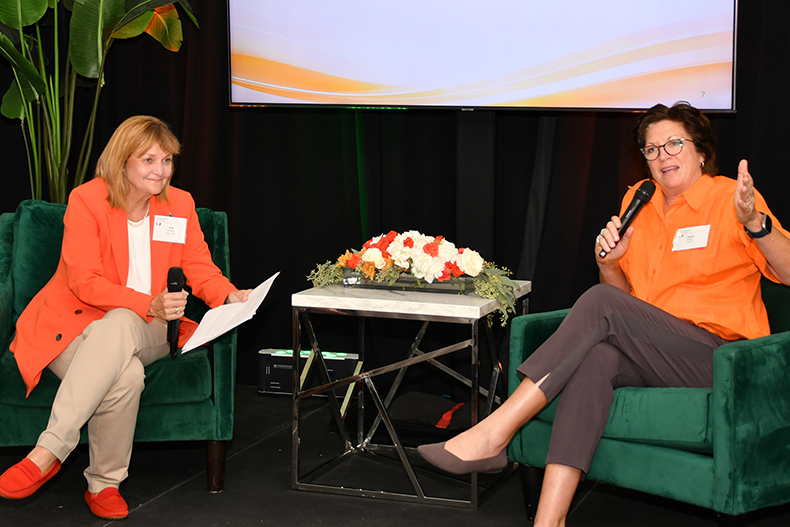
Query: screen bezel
column 498, row 108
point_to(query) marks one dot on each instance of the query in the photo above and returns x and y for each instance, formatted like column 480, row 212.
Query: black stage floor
column 167, row 487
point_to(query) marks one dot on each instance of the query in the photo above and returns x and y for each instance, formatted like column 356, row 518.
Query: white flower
column 375, row 256
column 400, row 253
column 470, row 262
column 447, row 251
column 426, row 267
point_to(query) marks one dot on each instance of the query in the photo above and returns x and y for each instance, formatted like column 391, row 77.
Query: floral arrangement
column 386, row 258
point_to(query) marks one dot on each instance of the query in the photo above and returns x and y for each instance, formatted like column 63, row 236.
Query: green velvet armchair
column 725, row 448
column 190, row 397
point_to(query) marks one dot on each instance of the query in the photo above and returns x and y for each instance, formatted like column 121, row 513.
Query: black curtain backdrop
column 527, row 189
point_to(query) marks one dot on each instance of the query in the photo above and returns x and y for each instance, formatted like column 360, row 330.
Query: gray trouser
column 611, row 339
column 102, row 377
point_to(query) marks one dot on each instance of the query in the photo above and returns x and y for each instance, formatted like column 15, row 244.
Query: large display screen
column 610, row 54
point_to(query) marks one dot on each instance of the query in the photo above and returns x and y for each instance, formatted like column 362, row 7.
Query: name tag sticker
column 691, row 238
column 170, row 229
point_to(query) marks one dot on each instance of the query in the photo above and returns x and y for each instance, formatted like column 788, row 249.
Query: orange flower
column 369, row 269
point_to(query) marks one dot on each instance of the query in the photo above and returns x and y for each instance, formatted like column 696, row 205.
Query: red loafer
column 24, row 478
column 107, row 504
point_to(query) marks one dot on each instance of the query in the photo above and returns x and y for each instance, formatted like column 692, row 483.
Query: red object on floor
column 444, row 422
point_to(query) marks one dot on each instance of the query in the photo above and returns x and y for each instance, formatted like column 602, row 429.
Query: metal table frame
column 365, row 380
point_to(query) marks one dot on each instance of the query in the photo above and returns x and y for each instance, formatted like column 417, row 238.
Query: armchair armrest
column 750, row 410
column 223, row 362
column 527, row 333
column 6, row 282
column 223, row 350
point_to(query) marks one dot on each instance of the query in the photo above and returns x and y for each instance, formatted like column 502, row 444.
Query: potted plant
column 46, row 76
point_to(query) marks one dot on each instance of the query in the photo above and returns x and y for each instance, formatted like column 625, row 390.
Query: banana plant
column 42, row 93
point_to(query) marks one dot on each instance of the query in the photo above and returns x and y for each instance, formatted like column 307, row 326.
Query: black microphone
column 175, row 283
column 642, row 196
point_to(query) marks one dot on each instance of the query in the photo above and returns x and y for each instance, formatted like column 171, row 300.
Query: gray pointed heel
column 438, row 456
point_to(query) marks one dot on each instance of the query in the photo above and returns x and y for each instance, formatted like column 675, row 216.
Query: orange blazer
column 91, row 275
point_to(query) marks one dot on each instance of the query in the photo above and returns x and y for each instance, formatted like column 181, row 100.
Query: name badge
column 691, row 238
column 170, row 229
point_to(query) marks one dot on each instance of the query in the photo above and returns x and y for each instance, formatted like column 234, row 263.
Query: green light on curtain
column 364, row 205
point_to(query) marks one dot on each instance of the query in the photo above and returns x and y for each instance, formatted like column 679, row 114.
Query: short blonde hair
column 133, row 135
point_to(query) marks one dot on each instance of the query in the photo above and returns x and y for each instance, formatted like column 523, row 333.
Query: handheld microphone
column 175, row 283
column 642, row 196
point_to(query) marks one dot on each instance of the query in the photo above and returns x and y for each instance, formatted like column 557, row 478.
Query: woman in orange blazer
column 103, row 316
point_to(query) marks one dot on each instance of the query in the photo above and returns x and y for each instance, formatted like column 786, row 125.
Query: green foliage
column 494, row 283
column 42, row 94
column 325, row 274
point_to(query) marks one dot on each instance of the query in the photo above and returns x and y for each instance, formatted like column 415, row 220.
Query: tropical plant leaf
column 134, row 27
column 29, row 79
column 166, row 28
column 12, row 34
column 31, row 12
column 90, row 19
column 188, row 10
column 140, row 7
column 12, row 103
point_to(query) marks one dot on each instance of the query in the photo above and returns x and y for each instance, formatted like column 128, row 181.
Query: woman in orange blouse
column 681, row 281
column 103, row 316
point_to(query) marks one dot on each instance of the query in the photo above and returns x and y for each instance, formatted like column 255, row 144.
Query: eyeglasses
column 672, row 147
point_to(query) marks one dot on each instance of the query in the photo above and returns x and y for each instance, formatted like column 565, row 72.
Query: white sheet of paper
column 223, row 318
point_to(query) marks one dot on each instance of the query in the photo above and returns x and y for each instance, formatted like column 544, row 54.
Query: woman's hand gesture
column 168, row 306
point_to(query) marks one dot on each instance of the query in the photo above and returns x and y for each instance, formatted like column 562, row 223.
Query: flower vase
column 406, row 282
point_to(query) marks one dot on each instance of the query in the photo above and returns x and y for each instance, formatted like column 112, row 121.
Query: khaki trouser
column 102, row 377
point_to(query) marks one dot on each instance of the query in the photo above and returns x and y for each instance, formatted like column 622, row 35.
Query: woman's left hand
column 238, row 296
column 744, row 199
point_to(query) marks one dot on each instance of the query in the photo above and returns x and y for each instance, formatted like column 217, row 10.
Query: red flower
column 382, row 244
column 450, row 269
column 431, row 249
column 408, row 242
column 349, row 259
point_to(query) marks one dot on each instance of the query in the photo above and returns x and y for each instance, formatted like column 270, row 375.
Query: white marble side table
column 363, row 303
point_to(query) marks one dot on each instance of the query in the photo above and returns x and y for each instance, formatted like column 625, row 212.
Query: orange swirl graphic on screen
column 309, row 86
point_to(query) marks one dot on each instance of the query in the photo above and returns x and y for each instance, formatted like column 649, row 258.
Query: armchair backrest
column 777, row 302
column 38, row 236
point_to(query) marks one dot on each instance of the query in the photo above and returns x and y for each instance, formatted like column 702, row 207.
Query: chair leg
column 727, row 520
column 531, row 482
column 215, row 465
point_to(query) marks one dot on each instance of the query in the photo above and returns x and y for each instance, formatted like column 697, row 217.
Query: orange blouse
column 716, row 287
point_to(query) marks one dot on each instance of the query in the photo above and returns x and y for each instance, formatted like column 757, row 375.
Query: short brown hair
column 136, row 133
column 694, row 121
